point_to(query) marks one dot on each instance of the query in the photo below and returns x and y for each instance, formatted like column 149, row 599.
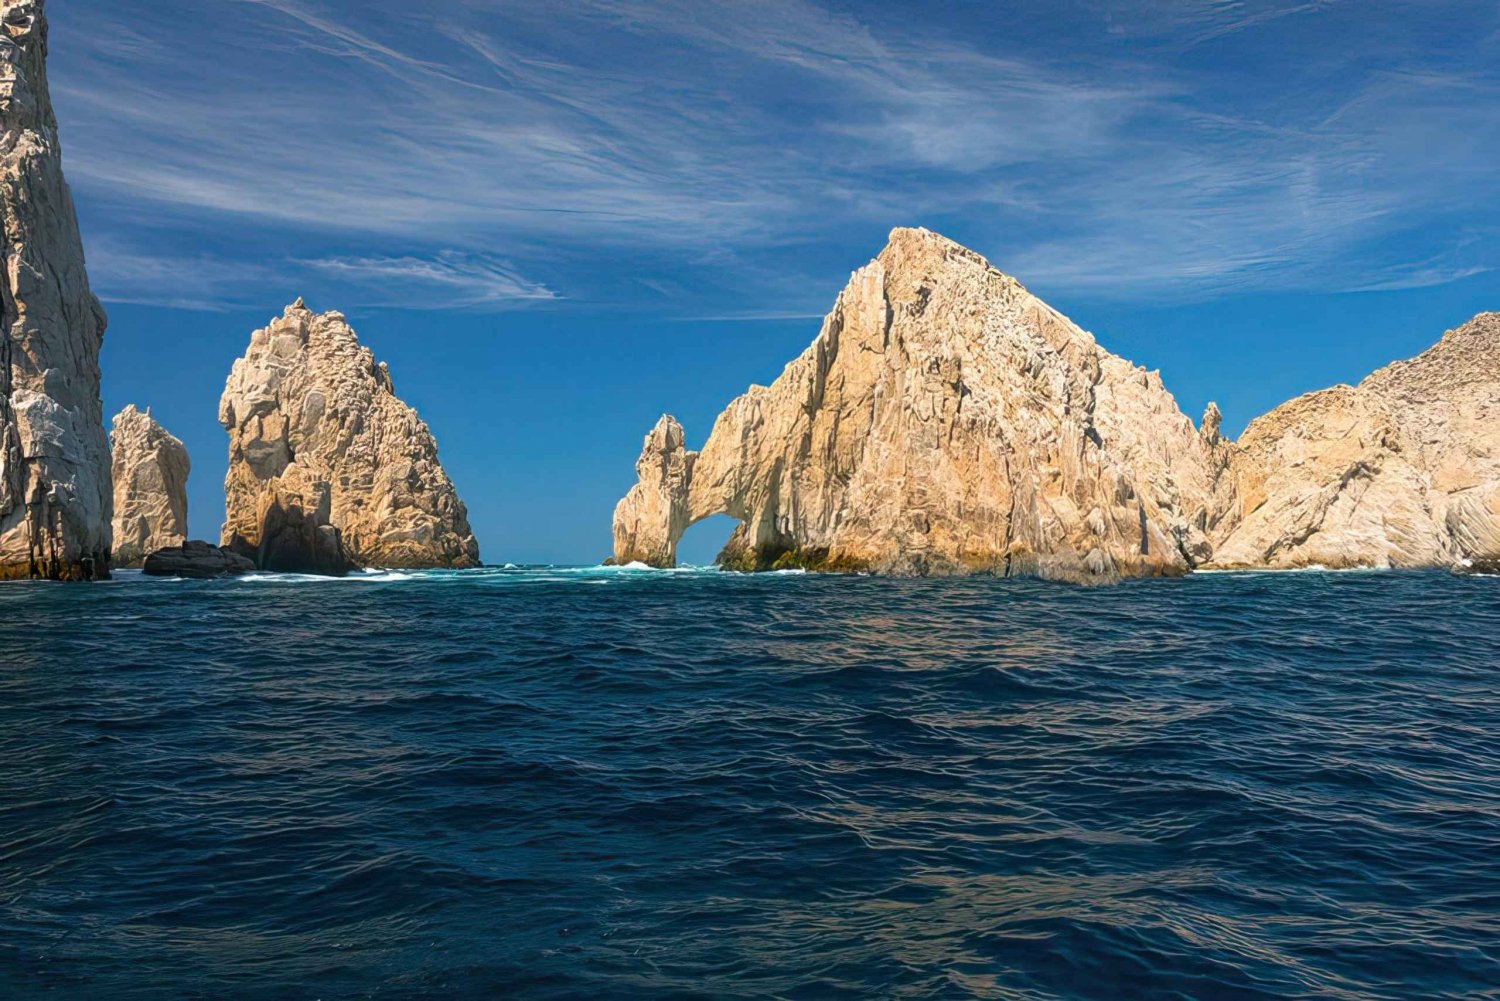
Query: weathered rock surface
column 55, row 495
column 197, row 560
column 1402, row 470
column 328, row 469
column 947, row 421
column 944, row 421
column 150, row 477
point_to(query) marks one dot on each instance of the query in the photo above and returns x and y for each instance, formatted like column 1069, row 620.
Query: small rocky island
column 328, row 469
column 946, row 421
column 150, row 471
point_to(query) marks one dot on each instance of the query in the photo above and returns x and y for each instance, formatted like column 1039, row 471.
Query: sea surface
column 549, row 783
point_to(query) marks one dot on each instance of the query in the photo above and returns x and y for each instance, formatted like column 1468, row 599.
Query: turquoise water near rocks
column 551, row 783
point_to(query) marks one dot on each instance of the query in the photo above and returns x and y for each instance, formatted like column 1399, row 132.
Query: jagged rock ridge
column 328, row 469
column 1402, row 470
column 944, row 421
column 150, row 471
column 55, row 495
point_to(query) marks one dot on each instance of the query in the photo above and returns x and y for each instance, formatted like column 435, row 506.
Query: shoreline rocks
column 150, row 471
column 55, row 494
column 328, row 470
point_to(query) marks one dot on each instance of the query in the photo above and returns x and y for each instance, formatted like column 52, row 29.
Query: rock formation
column 947, row 421
column 944, row 421
column 55, row 493
column 1402, row 470
column 196, row 560
column 150, row 476
column 328, row 469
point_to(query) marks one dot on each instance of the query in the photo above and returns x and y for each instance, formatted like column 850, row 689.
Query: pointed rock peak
column 327, row 465
column 916, row 250
column 1213, row 419
column 300, row 306
column 665, row 436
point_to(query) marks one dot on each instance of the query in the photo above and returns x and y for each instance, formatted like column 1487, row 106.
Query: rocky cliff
column 328, row 469
column 944, row 421
column 55, row 492
column 150, row 470
column 1402, row 470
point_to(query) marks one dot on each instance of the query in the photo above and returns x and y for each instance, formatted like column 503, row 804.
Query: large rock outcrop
column 1402, row 470
column 328, row 469
column 55, row 493
column 947, row 421
column 150, row 475
column 944, row 421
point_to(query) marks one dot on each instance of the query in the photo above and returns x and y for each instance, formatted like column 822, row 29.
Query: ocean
column 546, row 783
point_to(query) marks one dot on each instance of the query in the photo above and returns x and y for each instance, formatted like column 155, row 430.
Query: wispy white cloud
column 449, row 281
column 681, row 138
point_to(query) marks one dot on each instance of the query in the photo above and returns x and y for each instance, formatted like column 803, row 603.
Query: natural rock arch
column 944, row 421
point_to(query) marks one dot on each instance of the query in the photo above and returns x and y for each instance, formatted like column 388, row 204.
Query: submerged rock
column 945, row 421
column 1402, row 470
column 150, row 470
column 55, row 495
column 197, row 560
column 328, row 469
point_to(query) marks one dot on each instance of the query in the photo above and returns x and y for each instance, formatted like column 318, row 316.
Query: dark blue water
column 608, row 784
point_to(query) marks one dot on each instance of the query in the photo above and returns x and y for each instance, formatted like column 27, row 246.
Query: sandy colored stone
column 328, row 469
column 1402, row 470
column 55, row 495
column 944, row 421
column 150, row 480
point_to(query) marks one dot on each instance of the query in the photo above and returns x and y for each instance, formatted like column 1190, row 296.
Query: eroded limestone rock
column 328, row 469
column 55, row 495
column 1402, row 470
column 944, row 421
column 150, row 482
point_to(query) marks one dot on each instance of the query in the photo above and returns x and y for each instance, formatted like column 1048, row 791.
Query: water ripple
column 544, row 783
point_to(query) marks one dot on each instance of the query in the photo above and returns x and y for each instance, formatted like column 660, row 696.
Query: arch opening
column 704, row 540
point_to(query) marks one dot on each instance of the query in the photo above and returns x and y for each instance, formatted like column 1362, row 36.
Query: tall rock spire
column 55, row 495
column 151, row 474
column 328, row 469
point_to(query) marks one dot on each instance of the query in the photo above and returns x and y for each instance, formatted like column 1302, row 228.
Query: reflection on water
column 589, row 782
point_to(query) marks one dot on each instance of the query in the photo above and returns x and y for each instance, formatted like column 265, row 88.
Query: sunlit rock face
column 328, row 469
column 150, row 471
column 1402, row 470
column 944, row 421
column 55, row 494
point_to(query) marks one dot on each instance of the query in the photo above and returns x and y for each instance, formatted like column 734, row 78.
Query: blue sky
column 558, row 220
